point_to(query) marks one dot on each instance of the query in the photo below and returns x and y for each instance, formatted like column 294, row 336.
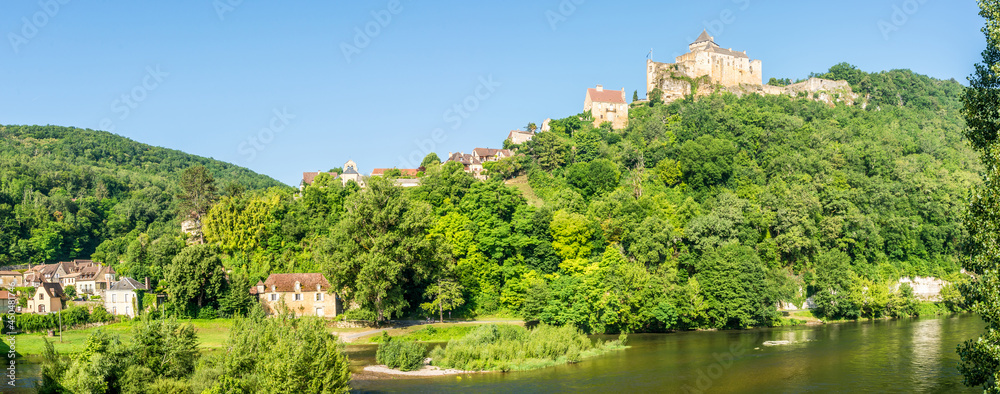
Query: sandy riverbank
column 427, row 370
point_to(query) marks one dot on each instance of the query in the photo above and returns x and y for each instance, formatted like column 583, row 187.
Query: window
column 274, row 297
column 272, row 288
column 319, row 296
column 126, row 297
column 114, row 298
column 298, row 286
column 41, row 296
column 298, row 297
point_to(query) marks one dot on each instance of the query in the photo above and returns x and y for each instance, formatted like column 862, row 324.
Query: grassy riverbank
column 212, row 335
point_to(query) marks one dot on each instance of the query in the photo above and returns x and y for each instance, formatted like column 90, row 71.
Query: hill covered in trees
column 67, row 193
column 702, row 213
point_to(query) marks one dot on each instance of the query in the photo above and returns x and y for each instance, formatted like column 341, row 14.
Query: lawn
column 212, row 335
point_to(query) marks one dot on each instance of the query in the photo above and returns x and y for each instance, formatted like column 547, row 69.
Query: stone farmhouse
column 122, row 298
column 11, row 279
column 473, row 162
column 48, row 298
column 607, row 106
column 302, row 294
column 518, row 137
column 708, row 68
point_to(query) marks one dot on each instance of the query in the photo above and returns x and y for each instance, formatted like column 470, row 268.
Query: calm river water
column 909, row 355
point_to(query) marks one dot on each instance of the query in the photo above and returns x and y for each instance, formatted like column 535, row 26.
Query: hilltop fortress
column 708, row 68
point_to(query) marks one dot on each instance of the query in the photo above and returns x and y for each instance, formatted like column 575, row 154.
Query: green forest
column 703, row 213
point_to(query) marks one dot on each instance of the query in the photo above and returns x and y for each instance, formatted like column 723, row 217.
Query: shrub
column 207, row 313
column 400, row 354
column 99, row 314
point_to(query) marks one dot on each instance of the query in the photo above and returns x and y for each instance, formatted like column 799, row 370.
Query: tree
column 445, row 295
column 531, row 127
column 981, row 357
column 196, row 277
column 429, row 160
column 378, row 247
column 655, row 97
column 70, row 291
column 635, row 95
column 549, row 150
column 197, row 195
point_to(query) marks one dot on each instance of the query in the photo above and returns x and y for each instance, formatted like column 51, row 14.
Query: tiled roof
column 309, row 177
column 286, row 282
column 464, row 158
column 53, row 290
column 606, row 96
column 10, row 273
column 703, row 37
column 127, row 283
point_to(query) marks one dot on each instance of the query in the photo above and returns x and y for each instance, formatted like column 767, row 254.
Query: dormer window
column 318, row 288
column 272, row 288
column 298, row 286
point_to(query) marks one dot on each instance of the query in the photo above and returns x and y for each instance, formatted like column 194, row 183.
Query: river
column 906, row 355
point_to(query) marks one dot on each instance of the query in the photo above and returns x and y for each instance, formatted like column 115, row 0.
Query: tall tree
column 196, row 277
column 378, row 247
column 981, row 357
column 197, row 195
column 445, row 295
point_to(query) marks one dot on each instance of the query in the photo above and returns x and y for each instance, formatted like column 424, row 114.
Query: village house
column 607, row 106
column 95, row 279
column 11, row 279
column 122, row 298
column 7, row 301
column 351, row 174
column 309, row 177
column 485, row 155
column 407, row 176
column 48, row 298
column 469, row 163
column 517, row 137
column 302, row 294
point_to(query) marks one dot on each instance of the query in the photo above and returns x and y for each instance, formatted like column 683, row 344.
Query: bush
column 400, row 354
column 207, row 313
column 99, row 314
column 507, row 347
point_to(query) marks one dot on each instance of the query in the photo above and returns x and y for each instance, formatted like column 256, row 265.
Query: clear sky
column 206, row 77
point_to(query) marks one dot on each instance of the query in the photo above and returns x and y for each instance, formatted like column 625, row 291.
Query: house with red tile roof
column 607, row 106
column 303, row 295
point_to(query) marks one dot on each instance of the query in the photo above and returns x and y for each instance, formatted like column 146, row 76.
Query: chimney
column 147, row 283
column 600, row 88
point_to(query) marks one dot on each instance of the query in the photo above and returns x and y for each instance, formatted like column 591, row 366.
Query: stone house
column 48, row 298
column 607, row 106
column 485, row 155
column 122, row 298
column 303, row 295
column 517, row 137
column 11, row 279
column 471, row 164
column 309, row 177
column 351, row 174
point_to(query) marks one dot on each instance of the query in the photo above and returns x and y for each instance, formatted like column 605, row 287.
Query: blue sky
column 287, row 87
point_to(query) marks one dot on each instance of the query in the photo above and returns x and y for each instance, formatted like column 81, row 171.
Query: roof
column 73, row 275
column 606, row 96
column 127, row 283
column 402, row 171
column 4, row 295
column 10, row 273
column 253, row 290
column 309, row 177
column 286, row 282
column 95, row 272
column 729, row 52
column 54, row 290
column 487, row 152
column 703, row 37
column 464, row 158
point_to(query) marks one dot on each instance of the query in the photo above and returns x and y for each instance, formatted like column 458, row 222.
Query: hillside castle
column 708, row 68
